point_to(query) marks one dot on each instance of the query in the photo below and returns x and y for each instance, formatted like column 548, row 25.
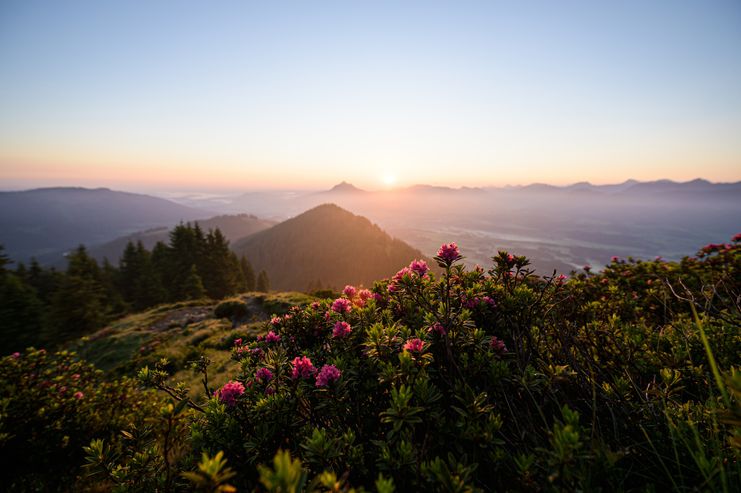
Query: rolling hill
column 325, row 246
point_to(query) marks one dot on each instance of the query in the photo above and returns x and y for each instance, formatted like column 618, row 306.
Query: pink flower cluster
column 327, row 375
column 229, row 392
column 264, row 375
column 438, row 328
column 349, row 291
column 419, row 267
column 736, row 237
column 341, row 305
column 449, row 253
column 272, row 337
column 275, row 321
column 414, row 345
column 498, row 345
column 341, row 329
column 302, row 368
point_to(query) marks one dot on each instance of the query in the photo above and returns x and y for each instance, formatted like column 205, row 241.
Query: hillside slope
column 325, row 246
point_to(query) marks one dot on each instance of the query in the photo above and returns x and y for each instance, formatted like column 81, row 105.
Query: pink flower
column 327, row 375
column 16, row 355
column 414, row 345
column 448, row 253
column 419, row 267
column 490, row 301
column 349, row 291
column 275, row 320
column 438, row 328
column 341, row 329
column 269, row 391
column 561, row 278
column 341, row 305
column 238, row 342
column 302, row 368
column 264, row 375
column 614, row 259
column 315, row 305
column 78, row 395
column 76, row 376
column 271, row 337
column 736, row 237
column 229, row 392
column 364, row 294
column 256, row 353
column 510, row 258
column 498, row 346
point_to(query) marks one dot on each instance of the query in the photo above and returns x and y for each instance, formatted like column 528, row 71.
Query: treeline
column 45, row 306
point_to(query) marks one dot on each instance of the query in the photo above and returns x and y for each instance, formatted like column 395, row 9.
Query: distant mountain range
column 47, row 222
column 234, row 228
column 634, row 187
column 325, row 247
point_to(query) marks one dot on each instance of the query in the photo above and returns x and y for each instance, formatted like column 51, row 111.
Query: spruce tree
column 193, row 288
column 248, row 273
column 263, row 283
column 21, row 314
column 79, row 303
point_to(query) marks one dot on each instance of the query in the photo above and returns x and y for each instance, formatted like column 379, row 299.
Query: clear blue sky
column 285, row 94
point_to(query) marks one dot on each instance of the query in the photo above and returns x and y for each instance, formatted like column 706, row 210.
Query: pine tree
column 219, row 267
column 263, row 283
column 79, row 303
column 193, row 288
column 248, row 273
column 21, row 314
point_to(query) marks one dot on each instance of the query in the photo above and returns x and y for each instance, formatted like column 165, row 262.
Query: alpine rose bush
column 495, row 380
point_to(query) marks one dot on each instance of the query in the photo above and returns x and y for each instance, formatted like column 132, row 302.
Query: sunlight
column 389, row 180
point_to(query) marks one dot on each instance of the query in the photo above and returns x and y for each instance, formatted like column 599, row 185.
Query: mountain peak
column 345, row 187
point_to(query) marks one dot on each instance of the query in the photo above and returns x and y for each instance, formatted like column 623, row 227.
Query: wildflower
column 238, row 342
column 275, row 321
column 315, row 305
column 269, row 391
column 264, row 375
column 510, row 258
column 257, row 353
column 490, row 301
column 414, row 345
column 736, row 237
column 377, row 296
column 448, row 253
column 76, row 376
column 587, row 268
column 349, row 291
column 302, row 368
column 78, row 395
column 438, row 328
column 419, row 267
column 271, row 337
column 365, row 294
column 341, row 305
column 615, row 259
column 327, row 375
column 341, row 329
column 498, row 345
column 229, row 392
column 16, row 355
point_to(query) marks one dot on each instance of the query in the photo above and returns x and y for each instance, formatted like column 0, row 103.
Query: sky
column 251, row 95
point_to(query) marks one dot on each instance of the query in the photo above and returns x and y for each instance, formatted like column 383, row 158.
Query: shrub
column 234, row 309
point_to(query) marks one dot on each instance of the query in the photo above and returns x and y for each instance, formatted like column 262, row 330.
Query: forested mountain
column 46, row 222
column 325, row 247
column 233, row 227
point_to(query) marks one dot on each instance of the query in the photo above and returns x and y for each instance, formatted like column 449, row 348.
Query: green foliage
column 234, row 309
column 263, row 283
column 53, row 405
column 212, row 475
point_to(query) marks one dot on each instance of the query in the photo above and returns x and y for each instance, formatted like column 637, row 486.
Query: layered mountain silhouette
column 326, row 246
column 47, row 222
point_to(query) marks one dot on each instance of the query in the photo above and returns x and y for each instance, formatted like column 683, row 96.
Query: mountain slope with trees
column 325, row 247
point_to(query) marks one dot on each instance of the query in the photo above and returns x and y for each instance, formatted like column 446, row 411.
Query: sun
column 389, row 180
